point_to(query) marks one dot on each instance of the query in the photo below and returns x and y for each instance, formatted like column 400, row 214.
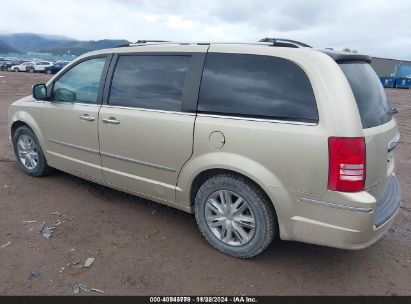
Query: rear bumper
column 350, row 221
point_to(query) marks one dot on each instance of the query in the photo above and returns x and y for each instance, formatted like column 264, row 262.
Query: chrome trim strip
column 149, row 110
column 258, row 119
column 333, row 205
column 130, row 160
column 74, row 146
column 74, row 103
column 140, row 178
column 138, row 162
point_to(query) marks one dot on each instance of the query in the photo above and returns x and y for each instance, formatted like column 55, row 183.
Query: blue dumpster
column 403, row 82
column 403, row 77
column 388, row 82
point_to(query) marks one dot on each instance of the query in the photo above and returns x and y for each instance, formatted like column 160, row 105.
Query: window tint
column 80, row 83
column 151, row 82
column 256, row 86
column 368, row 92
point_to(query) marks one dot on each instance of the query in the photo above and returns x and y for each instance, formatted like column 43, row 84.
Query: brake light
column 346, row 164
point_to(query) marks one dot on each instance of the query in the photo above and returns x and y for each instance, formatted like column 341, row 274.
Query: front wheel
column 235, row 216
column 16, row 70
column 48, row 72
column 31, row 70
column 29, row 154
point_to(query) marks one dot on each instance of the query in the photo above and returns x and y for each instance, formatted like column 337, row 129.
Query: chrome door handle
column 111, row 121
column 87, row 117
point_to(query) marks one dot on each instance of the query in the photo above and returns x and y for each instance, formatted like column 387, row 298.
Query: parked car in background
column 56, row 67
column 39, row 66
column 22, row 67
column 3, row 63
column 5, row 66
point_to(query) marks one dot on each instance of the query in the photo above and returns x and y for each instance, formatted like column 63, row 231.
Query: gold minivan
column 258, row 141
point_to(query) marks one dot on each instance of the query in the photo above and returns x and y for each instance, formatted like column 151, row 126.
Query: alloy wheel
column 230, row 218
column 27, row 152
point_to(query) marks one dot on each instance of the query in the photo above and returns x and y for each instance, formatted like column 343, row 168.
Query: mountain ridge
column 55, row 44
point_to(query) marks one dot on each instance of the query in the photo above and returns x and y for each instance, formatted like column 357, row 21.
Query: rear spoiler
column 341, row 57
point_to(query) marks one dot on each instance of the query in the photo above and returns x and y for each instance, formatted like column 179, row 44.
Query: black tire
column 30, row 70
column 42, row 168
column 16, row 70
column 49, row 72
column 264, row 214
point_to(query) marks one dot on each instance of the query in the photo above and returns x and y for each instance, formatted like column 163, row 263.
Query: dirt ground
column 143, row 248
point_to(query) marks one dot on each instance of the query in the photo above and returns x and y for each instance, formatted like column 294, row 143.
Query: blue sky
column 376, row 27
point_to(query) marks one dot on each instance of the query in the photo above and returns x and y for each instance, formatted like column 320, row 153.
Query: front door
column 71, row 118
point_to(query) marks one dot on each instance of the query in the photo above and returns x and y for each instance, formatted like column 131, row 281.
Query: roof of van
column 338, row 56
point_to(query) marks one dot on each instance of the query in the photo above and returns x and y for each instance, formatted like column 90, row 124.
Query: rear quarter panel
column 276, row 154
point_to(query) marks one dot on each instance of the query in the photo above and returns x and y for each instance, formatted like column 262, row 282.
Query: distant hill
column 5, row 48
column 57, row 45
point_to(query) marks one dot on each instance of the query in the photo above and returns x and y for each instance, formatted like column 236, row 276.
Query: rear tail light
column 347, row 164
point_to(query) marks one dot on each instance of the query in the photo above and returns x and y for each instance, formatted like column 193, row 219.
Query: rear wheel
column 31, row 70
column 29, row 154
column 235, row 216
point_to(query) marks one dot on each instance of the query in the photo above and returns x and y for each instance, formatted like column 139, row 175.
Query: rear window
column 256, row 86
column 368, row 92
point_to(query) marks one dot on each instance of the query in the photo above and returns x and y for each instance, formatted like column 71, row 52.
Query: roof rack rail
column 148, row 41
column 280, row 42
column 138, row 42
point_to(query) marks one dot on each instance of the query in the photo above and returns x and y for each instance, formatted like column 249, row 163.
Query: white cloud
column 150, row 18
column 376, row 27
column 178, row 23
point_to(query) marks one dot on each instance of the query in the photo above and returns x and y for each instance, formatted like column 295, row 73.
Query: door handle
column 87, row 117
column 111, row 121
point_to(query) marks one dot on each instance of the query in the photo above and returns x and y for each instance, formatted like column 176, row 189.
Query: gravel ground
column 142, row 248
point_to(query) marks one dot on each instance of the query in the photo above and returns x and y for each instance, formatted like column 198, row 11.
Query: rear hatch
column 380, row 129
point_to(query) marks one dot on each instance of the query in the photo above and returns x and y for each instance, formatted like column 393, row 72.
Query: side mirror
column 40, row 91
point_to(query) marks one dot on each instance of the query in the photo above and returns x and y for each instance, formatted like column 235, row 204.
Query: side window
column 256, row 86
column 80, row 83
column 150, row 82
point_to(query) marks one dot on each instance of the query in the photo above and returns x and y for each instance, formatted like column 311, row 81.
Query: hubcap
column 27, row 152
column 230, row 218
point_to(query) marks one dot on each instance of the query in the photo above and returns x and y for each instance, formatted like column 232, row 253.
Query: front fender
column 222, row 160
column 28, row 119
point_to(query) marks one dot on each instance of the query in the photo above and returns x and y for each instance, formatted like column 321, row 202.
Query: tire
column 31, row 70
column 16, row 70
column 257, row 207
column 8, row 69
column 48, row 72
column 29, row 145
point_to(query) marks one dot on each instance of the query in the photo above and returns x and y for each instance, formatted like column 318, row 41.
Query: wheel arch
column 197, row 170
column 22, row 118
column 206, row 174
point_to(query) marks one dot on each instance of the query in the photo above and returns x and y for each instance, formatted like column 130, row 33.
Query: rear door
column 146, row 124
column 380, row 129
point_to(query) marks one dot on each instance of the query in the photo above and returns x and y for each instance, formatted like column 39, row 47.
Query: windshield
column 370, row 95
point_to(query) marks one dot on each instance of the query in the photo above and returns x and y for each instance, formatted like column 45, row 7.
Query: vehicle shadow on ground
column 279, row 249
